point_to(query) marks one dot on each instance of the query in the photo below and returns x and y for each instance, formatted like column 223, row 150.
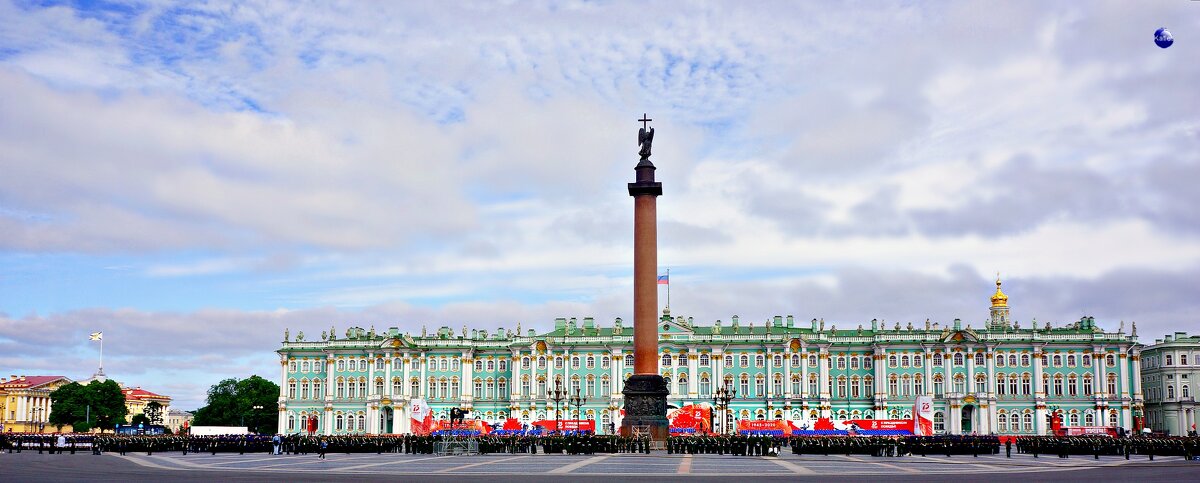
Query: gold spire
column 999, row 299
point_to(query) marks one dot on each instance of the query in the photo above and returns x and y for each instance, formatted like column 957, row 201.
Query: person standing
column 61, row 442
column 322, row 447
column 277, row 442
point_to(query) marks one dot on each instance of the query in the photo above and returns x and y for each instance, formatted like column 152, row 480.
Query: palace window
column 958, row 359
column 906, row 388
column 1057, row 360
column 416, row 363
column 937, row 359
column 1072, row 390
column 812, row 385
column 362, row 387
column 777, row 360
column 854, row 362
column 681, row 361
column 1046, row 384
column 379, row 364
column 341, row 365
column 1089, row 419
column 362, row 365
column 812, row 360
column 960, row 383
column 1012, row 360
column 777, row 387
column 795, row 385
column 397, row 386
column 1000, row 389
column 728, row 361
column 904, row 361
column 981, row 383
column 604, row 386
column 478, row 365
column 704, row 360
column 1170, row 392
column 978, row 359
column 1026, row 384
column 683, row 384
column 795, row 360
column 292, row 389
column 1024, row 360
column 841, row 387
column 892, row 361
column 918, row 384
column 1087, row 360
column 628, row 360
column 705, row 386
column 304, row 366
column 1058, row 385
column 939, row 421
column 317, row 389
column 558, row 363
column 605, row 363
column 1087, row 385
column 574, row 363
column 1027, row 421
column 1071, row 360
column 304, row 389
column 759, row 361
column 1000, row 360
column 893, row 385
column 1012, row 384
column 541, row 364
column 918, row 360
column 760, row 386
column 745, row 383
column 867, row 364
column 525, row 363
column 541, row 388
column 841, row 363
column 397, row 364
column 744, row 360
column 478, row 389
column 666, row 360
column 1002, row 420
column 1110, row 360
column 939, row 385
column 1112, row 417
column 591, row 362
column 854, row 387
column 414, row 387
column 378, row 386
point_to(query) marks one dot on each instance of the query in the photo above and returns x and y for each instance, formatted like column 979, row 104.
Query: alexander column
column 645, row 391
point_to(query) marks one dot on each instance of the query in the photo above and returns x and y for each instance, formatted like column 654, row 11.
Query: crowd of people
column 745, row 445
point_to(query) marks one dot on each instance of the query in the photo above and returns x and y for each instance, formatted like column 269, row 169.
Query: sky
column 193, row 178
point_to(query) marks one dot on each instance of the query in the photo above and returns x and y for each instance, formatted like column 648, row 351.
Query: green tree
column 98, row 404
column 139, row 419
column 153, row 412
column 232, row 402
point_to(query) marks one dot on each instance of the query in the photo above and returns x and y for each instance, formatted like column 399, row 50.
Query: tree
column 153, row 412
column 139, row 419
column 231, row 402
column 98, row 404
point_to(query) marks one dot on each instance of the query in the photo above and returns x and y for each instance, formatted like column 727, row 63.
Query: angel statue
column 645, row 138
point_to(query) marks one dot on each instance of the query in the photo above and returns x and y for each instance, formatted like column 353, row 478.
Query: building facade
column 999, row 378
column 25, row 403
column 1170, row 370
column 137, row 399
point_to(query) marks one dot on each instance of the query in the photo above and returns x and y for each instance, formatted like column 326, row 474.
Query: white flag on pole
column 96, row 336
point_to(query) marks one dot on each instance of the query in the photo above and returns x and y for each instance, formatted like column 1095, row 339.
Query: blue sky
column 193, row 178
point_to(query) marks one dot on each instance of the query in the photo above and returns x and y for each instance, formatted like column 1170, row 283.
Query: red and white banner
column 764, row 425
column 567, row 424
column 923, row 416
column 421, row 417
column 883, row 424
column 694, row 417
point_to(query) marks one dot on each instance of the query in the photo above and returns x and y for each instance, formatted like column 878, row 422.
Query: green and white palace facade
column 1001, row 378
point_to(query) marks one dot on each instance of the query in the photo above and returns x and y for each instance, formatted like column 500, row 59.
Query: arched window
column 760, row 386
column 1184, row 391
column 1000, row 388
column 362, row 422
column 759, row 361
column 1087, row 384
column 978, row 359
column 939, row 385
column 854, row 362
column 1072, row 389
column 1046, row 384
column 795, row 385
column 906, row 388
column 1057, row 360
column 855, row 391
column 981, row 383
column 304, row 391
column 397, row 386
column 1001, row 419
column 937, row 359
column 1012, row 384
column 777, row 360
column 744, row 360
column 745, row 383
column 1073, row 418
column 477, row 388
column 605, row 386
column 666, row 360
column 939, row 421
column 892, row 361
column 704, row 360
column 1026, row 383
column 777, row 386
column 339, row 422
column 1025, row 360
column 1089, row 419
column 728, row 360
column 705, row 386
column 591, row 362
column 1110, row 360
column 341, row 388
column 681, row 361
column 414, row 387
column 542, row 361
column 918, row 360
column 1000, row 360
column 1170, row 392
column 1071, row 360
column 362, row 387
column 904, row 361
column 812, row 360
column 841, row 362
column 960, row 383
column 1012, row 360
column 341, row 365
column 291, row 421
column 1112, row 384
column 291, row 388
column 317, row 389
column 812, row 385
column 795, row 360
column 1087, row 360
column 1058, row 385
column 958, row 359
column 478, row 365
column 525, row 363
column 574, row 363
column 1027, row 421
column 378, row 385
column 893, row 385
column 628, row 360
column 454, row 365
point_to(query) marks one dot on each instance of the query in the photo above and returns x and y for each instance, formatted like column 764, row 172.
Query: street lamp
column 720, row 400
column 578, row 401
column 255, row 407
column 38, row 417
column 557, row 395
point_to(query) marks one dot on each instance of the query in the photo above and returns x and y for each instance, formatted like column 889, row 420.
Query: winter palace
column 1001, row 378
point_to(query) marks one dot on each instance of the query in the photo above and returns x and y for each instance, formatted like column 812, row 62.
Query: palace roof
column 139, row 394
column 28, row 382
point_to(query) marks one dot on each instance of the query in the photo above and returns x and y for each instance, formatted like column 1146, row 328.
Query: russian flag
column 664, row 280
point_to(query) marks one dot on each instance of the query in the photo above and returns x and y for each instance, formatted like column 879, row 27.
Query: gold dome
column 999, row 299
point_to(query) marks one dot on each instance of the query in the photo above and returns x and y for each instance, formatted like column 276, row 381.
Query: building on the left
column 25, row 402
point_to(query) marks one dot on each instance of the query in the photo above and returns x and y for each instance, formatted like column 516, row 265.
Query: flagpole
column 668, row 287
column 102, row 353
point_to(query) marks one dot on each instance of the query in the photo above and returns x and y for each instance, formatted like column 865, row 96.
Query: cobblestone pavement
column 659, row 467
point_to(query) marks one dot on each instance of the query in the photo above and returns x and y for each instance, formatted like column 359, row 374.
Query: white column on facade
column 22, row 410
column 283, row 379
column 422, row 383
column 1136, row 363
column 928, row 365
column 404, row 384
column 618, row 359
column 990, row 414
column 466, row 389
column 970, row 386
column 694, row 373
column 804, row 373
column 823, row 368
column 514, row 387
column 787, row 377
column 371, row 374
column 388, row 361
column 1039, row 417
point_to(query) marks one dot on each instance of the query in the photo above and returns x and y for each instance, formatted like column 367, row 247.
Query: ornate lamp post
column 720, row 400
column 578, row 401
column 557, row 395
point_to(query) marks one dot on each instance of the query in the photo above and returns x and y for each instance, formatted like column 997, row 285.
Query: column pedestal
column 646, row 406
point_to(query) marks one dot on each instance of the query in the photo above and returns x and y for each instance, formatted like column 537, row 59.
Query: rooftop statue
column 645, row 138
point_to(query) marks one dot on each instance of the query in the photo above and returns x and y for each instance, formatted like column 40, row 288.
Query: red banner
column 693, row 417
column 567, row 424
column 884, row 424
column 773, row 425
